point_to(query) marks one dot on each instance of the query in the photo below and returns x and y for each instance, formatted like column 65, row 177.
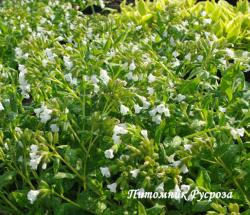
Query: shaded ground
column 115, row 4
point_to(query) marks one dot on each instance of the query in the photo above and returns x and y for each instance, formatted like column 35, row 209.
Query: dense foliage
column 151, row 98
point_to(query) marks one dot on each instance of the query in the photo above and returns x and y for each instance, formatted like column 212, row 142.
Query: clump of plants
column 152, row 99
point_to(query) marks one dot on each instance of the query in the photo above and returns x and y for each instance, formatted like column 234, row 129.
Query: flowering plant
column 153, row 98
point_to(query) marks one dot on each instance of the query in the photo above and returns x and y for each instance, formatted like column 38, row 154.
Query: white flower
column 135, row 78
column 203, row 13
column 102, row 5
column 171, row 158
column 207, row 21
column 44, row 166
column 132, row 66
column 139, row 27
column 223, row 61
column 49, row 54
column 187, row 147
column 144, row 133
column 116, row 139
column 200, row 58
column 176, row 192
column 197, row 36
column 120, row 129
column 188, row 57
column 197, row 123
column 68, row 77
column 151, row 78
column 238, row 132
column 160, row 188
column 105, row 171
column 176, row 141
column 67, row 62
column 18, row 129
column 176, row 163
column 157, row 119
column 104, row 76
column 54, row 128
column 32, row 195
column 35, row 157
column 134, row 172
column 43, row 113
column 112, row 187
column 150, row 90
column 34, row 148
column 1, row 106
column 222, row 109
column 34, row 161
column 146, row 104
column 137, row 108
column 163, row 109
column 109, row 153
column 24, row 86
column 94, row 79
column 44, row 62
column 129, row 76
column 172, row 42
column 60, row 38
column 180, row 97
column 176, row 63
column 153, row 112
column 245, row 54
column 185, row 188
column 175, row 54
column 229, row 52
column 18, row 52
column 184, row 169
column 124, row 109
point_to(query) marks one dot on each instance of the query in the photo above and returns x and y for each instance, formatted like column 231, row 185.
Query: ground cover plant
column 152, row 98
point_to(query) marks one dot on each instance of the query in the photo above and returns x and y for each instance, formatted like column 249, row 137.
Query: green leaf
column 247, row 212
column 229, row 93
column 201, row 206
column 61, row 175
column 66, row 209
column 108, row 44
column 243, row 6
column 142, row 7
column 156, row 210
column 159, row 132
column 19, row 197
column 209, row 7
column 90, row 202
column 189, row 86
column 141, row 209
column 203, row 180
column 7, row 178
column 234, row 207
column 218, row 208
column 234, row 32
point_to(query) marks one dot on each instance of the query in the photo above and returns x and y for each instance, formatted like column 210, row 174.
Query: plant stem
column 203, row 132
column 86, row 160
column 66, row 199
column 10, row 204
column 67, row 164
column 222, row 164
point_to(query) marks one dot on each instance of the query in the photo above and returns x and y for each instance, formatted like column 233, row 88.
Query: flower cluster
column 43, row 113
column 35, row 157
column 152, row 98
